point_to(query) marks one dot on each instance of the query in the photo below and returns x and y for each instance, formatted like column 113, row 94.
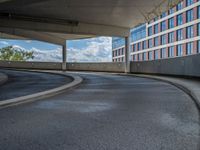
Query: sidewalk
column 191, row 87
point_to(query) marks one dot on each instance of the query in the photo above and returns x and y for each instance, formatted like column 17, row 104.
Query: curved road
column 21, row 83
column 107, row 112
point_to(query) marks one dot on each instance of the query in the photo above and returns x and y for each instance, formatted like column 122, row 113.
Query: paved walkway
column 107, row 112
column 21, row 83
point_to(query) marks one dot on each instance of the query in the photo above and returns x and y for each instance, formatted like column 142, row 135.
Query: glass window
column 150, row 31
column 171, row 10
column 189, row 2
column 180, row 50
column 180, row 19
column 145, row 56
column 134, row 57
column 151, row 55
column 198, row 12
column 163, row 53
column 198, row 29
column 198, row 47
column 163, row 26
column 171, row 51
column 179, row 6
column 189, row 49
column 139, row 46
column 180, row 34
column 156, row 41
column 171, row 37
column 163, row 39
column 156, row 54
column 156, row 28
column 150, row 43
column 134, row 48
column 144, row 44
column 189, row 32
column 138, row 33
column 164, row 14
column 189, row 15
column 171, row 23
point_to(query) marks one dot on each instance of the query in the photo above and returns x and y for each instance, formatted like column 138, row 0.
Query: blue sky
column 88, row 50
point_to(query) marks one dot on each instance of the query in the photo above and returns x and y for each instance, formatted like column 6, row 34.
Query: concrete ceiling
column 81, row 17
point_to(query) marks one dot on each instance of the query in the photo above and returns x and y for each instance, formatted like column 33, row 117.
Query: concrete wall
column 31, row 65
column 107, row 67
column 186, row 66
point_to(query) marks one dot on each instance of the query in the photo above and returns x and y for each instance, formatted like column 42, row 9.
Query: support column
column 64, row 57
column 127, row 54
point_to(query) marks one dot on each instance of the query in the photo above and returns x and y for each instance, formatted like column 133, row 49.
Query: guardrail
column 103, row 67
column 182, row 66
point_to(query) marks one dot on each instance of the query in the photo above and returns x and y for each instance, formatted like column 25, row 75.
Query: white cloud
column 97, row 50
column 4, row 43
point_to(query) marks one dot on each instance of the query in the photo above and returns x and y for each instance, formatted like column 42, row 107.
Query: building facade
column 176, row 33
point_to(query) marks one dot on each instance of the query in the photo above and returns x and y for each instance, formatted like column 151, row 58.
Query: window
column 189, row 49
column 180, row 19
column 198, row 12
column 144, row 45
column 134, row 47
column 163, row 25
column 164, row 14
column 163, row 53
column 189, row 2
column 179, row 6
column 171, row 37
column 145, row 56
column 180, row 50
column 156, row 54
column 189, row 15
column 134, row 57
column 189, row 32
column 150, row 43
column 198, row 28
column 163, row 39
column 156, row 41
column 171, row 51
column 198, row 47
column 140, row 57
column 171, row 23
column 156, row 28
column 171, row 10
column 151, row 55
column 180, row 34
column 150, row 31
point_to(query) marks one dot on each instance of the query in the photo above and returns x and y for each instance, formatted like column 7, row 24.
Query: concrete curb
column 77, row 80
column 175, row 82
column 3, row 78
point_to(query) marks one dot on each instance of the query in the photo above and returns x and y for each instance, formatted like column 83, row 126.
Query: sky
column 87, row 50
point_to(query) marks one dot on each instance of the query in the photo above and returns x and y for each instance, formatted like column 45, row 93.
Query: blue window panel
column 171, row 37
column 150, row 43
column 190, row 32
column 179, row 6
column 164, row 14
column 171, row 51
column 150, row 55
column 117, row 42
column 150, row 31
column 180, row 19
column 156, row 41
column 163, row 53
column 156, row 29
column 163, row 26
column 198, row 12
column 138, row 33
column 145, row 56
column 189, row 15
column 144, row 45
column 156, row 54
column 163, row 39
column 180, row 50
column 171, row 10
column 189, row 48
column 180, row 34
column 171, row 23
column 198, row 46
column 189, row 2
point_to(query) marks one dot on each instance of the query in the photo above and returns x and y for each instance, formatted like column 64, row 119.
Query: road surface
column 107, row 112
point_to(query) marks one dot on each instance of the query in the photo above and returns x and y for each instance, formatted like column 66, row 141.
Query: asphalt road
column 21, row 83
column 107, row 112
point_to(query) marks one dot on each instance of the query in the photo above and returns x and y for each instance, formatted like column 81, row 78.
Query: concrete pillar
column 127, row 54
column 64, row 57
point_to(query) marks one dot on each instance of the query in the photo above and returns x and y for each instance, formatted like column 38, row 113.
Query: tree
column 11, row 54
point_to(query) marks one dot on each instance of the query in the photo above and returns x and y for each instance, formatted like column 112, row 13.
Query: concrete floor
column 24, row 83
column 107, row 112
